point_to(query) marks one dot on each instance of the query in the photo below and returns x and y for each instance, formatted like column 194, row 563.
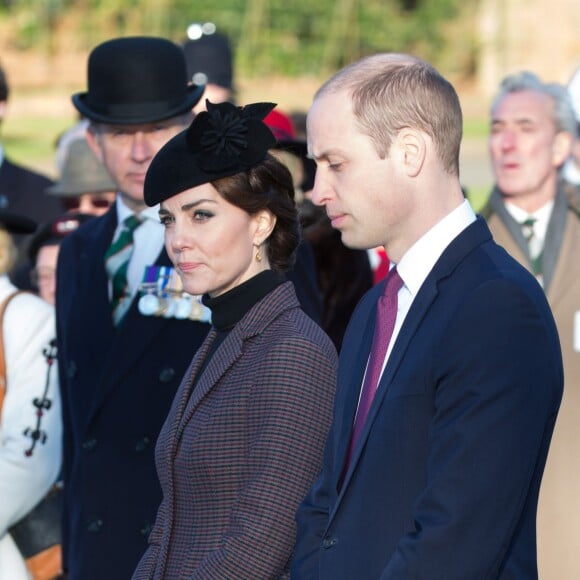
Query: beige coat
column 559, row 505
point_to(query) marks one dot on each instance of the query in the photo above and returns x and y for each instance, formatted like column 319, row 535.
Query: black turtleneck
column 229, row 308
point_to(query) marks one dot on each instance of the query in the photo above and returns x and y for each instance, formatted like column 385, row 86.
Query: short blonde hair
column 391, row 91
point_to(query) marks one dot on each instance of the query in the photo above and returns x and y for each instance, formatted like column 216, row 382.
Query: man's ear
column 93, row 140
column 265, row 222
column 413, row 150
column 562, row 147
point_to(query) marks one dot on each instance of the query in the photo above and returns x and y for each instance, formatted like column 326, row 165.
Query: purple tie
column 384, row 325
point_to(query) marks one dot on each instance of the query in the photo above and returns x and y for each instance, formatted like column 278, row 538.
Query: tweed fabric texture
column 239, row 451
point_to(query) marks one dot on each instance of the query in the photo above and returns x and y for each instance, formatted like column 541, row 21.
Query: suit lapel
column 554, row 239
column 353, row 362
column 92, row 281
column 223, row 358
column 182, row 397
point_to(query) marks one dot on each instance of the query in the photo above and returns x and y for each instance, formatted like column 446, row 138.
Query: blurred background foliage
column 301, row 37
column 283, row 49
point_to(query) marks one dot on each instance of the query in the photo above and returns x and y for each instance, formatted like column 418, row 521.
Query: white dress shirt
column 418, row 261
column 542, row 219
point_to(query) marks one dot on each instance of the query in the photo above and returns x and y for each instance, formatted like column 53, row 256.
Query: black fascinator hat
column 222, row 141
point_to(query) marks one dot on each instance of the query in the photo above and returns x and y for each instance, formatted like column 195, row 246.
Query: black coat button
column 71, row 370
column 167, row 375
column 142, row 444
column 146, row 529
column 329, row 543
column 89, row 444
column 95, row 526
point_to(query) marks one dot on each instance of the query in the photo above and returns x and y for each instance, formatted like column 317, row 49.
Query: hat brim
column 139, row 113
column 75, row 190
column 17, row 224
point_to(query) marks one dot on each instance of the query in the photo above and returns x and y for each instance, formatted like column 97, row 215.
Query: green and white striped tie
column 535, row 255
column 116, row 263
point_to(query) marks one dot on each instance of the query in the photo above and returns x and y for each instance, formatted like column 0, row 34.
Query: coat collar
column 567, row 198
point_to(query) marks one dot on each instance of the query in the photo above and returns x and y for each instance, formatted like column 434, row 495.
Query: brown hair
column 392, row 91
column 267, row 186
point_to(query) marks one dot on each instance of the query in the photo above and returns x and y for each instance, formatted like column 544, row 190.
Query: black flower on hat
column 220, row 142
column 226, row 136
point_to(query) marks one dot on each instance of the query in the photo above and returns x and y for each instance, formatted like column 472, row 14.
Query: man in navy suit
column 118, row 380
column 439, row 479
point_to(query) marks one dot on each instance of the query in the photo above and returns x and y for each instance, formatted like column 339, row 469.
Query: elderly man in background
column 535, row 215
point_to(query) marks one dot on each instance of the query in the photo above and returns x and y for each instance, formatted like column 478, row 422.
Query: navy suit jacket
column 443, row 483
column 117, row 387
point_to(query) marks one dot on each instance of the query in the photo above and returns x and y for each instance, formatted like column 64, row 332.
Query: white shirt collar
column 150, row 213
column 418, row 261
column 542, row 217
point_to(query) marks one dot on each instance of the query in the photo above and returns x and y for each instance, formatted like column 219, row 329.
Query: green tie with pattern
column 528, row 230
column 116, row 263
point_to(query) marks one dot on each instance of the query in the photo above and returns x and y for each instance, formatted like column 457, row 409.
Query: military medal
column 162, row 295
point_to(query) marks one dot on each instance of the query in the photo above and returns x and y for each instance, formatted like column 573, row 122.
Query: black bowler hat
column 133, row 80
column 16, row 224
column 220, row 142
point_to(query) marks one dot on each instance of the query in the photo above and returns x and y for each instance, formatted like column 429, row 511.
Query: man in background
column 535, row 216
column 119, row 369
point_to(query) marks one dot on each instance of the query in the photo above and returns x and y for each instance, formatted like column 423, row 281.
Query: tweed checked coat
column 239, row 451
column 559, row 505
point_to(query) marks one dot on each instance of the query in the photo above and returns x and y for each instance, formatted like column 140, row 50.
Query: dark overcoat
column 117, row 387
column 240, row 448
column 443, row 482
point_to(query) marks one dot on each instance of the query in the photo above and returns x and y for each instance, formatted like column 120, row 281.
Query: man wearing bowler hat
column 119, row 369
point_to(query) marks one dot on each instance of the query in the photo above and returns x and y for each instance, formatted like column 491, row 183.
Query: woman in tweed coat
column 243, row 440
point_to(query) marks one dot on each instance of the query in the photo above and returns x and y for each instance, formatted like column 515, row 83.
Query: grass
column 478, row 197
column 476, row 128
column 31, row 141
